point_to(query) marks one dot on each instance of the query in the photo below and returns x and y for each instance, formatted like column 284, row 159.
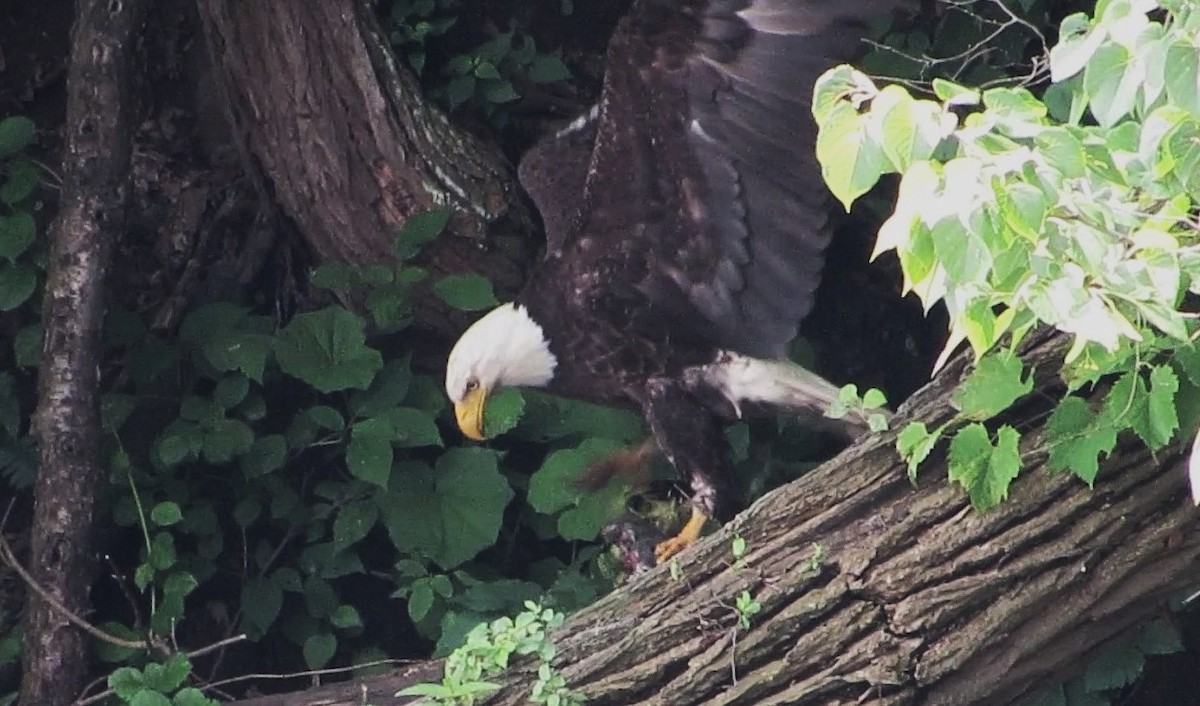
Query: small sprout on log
column 746, row 608
column 739, row 548
column 817, row 559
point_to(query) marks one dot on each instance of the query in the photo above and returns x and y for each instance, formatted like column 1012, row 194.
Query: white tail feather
column 778, row 384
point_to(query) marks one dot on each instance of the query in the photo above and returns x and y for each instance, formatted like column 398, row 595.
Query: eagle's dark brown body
column 687, row 216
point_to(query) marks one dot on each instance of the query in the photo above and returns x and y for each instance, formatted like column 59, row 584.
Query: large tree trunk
column 350, row 149
column 912, row 597
column 95, row 192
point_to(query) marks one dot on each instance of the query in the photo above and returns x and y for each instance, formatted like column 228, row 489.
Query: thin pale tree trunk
column 95, row 192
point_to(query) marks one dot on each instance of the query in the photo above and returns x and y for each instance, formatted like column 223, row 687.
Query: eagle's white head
column 504, row 348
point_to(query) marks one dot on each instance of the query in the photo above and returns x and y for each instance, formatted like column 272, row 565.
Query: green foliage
column 1116, row 668
column 22, row 254
column 870, row 406
column 486, row 76
column 486, row 654
column 746, row 607
column 449, row 514
column 158, row 683
column 276, row 470
column 468, row 292
column 1014, row 212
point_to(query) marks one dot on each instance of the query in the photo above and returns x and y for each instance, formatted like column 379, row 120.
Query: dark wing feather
column 554, row 173
column 703, row 191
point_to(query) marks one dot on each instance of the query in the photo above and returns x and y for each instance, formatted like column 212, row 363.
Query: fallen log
column 873, row 591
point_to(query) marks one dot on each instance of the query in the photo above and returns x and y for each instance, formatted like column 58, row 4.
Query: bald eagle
column 686, row 223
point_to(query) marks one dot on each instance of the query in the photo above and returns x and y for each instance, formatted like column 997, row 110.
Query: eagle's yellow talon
column 686, row 538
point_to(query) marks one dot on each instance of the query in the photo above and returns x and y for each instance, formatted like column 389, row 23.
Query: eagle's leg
column 693, row 440
column 686, row 537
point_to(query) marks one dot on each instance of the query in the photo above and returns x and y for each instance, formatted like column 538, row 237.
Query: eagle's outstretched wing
column 702, row 189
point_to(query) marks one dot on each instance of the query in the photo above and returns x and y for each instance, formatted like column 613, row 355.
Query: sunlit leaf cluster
column 1074, row 210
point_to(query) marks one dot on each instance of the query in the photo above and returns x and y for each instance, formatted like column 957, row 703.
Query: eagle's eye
column 472, row 385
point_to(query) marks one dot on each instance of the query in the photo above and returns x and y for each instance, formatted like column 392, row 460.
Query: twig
column 7, row 556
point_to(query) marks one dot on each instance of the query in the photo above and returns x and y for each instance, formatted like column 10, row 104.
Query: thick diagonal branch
column 876, row 592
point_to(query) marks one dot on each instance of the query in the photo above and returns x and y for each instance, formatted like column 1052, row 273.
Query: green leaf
column 16, row 133
column 327, row 349
column 388, row 388
column 459, row 90
column 503, row 411
column 166, row 513
column 319, row 649
column 168, row 676
column 914, row 443
column 549, row 417
column 986, row 471
column 413, row 427
column 1114, row 668
column 1075, row 47
column 126, row 682
column 231, row 390
column 1077, row 437
column 498, row 596
column 556, row 485
column 326, row 417
column 1112, row 79
column 106, row 651
column 438, row 692
column 421, row 229
column 1162, row 420
column 226, row 439
column 179, row 585
column 346, row 617
column 246, row 511
column 1183, row 76
column 959, row 251
column 335, row 275
column 873, row 398
column 547, row 68
column 594, row 510
column 149, row 698
column 1160, row 637
column 499, row 91
column 1063, row 151
column 908, row 129
column 851, row 161
column 953, row 94
column 449, row 515
column 228, row 338
column 162, row 554
column 266, row 455
column 179, row 442
column 469, row 292
column 17, row 284
column 353, row 522
column 191, row 696
column 420, row 600
column 27, row 346
column 261, row 601
column 23, row 177
column 369, row 454
column 17, row 233
column 994, row 384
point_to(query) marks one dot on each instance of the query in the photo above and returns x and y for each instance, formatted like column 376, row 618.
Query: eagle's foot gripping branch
column 686, row 538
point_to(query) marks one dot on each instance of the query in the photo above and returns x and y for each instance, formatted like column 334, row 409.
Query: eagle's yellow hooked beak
column 469, row 413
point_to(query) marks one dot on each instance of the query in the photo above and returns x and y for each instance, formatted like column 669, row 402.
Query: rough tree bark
column 95, row 191
column 350, row 149
column 915, row 598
